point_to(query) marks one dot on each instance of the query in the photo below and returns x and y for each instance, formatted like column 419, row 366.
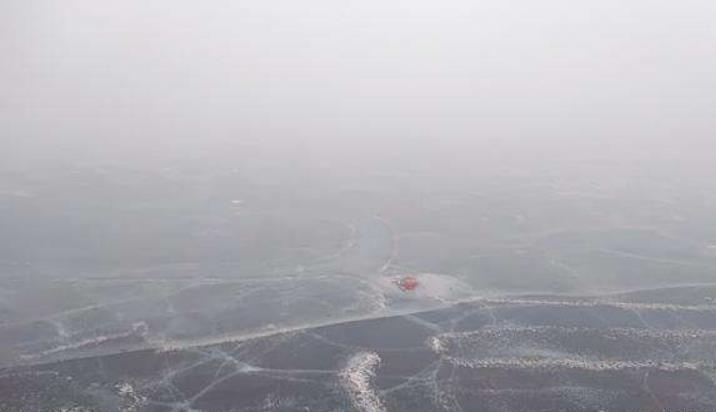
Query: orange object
column 408, row 283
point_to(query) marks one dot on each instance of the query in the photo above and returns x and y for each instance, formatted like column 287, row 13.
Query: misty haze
column 360, row 206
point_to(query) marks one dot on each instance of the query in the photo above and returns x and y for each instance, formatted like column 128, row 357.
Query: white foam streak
column 138, row 329
column 357, row 380
column 598, row 303
column 569, row 363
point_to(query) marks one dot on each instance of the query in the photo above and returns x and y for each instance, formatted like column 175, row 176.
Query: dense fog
column 132, row 81
column 504, row 192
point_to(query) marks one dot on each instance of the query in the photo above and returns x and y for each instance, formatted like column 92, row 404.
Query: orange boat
column 408, row 283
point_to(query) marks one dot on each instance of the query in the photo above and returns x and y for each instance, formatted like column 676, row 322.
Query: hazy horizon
column 87, row 81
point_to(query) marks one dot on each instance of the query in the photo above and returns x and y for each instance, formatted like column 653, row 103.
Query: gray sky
column 89, row 79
